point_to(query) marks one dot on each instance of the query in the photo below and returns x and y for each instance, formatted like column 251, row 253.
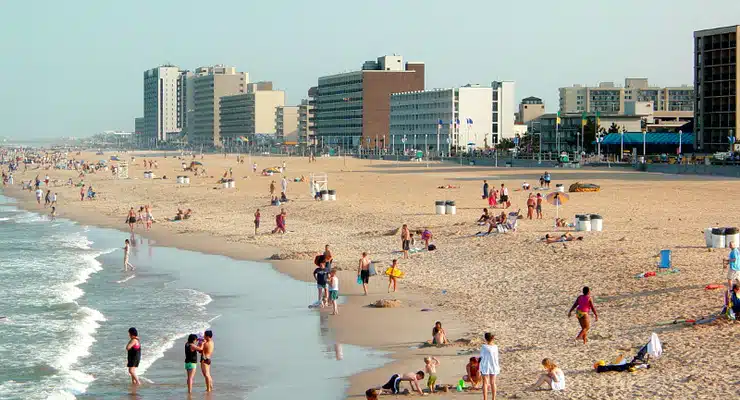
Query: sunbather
column 566, row 237
column 484, row 218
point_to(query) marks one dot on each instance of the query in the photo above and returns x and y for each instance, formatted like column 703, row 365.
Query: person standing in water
column 363, row 271
column 583, row 305
column 191, row 359
column 53, row 214
column 205, row 359
column 133, row 352
column 126, row 250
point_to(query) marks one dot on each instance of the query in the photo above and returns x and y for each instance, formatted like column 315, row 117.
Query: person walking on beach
column 257, row 217
column 39, row 194
column 47, row 198
column 505, row 203
column 583, row 305
column 405, row 240
column 489, row 365
column 732, row 263
column 126, row 250
column 82, row 193
column 392, row 276
column 280, row 222
column 54, row 199
column 334, row 291
column 284, row 185
column 328, row 257
column 547, row 178
column 538, row 206
column 133, row 354
column 53, row 214
column 205, row 359
column 148, row 217
column 492, row 199
column 272, row 189
column 319, row 274
column 485, row 189
column 363, row 271
column 531, row 202
column 131, row 219
column 191, row 359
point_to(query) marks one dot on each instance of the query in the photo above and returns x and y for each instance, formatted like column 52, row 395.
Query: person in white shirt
column 489, row 365
column 39, row 194
column 505, row 202
column 284, row 185
column 334, row 291
column 554, row 377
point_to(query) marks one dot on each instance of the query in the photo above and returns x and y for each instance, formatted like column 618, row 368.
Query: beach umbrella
column 557, row 199
column 197, row 163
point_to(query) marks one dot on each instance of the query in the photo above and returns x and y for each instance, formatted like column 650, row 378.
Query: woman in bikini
column 439, row 336
column 583, row 305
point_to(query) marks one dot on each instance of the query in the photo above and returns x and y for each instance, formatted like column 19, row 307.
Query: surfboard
column 395, row 272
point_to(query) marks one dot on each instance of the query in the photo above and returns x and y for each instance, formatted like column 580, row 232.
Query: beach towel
column 654, row 348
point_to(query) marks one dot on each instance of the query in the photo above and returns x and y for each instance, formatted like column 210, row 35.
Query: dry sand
column 510, row 284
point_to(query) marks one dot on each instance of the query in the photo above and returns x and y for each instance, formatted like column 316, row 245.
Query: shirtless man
column 405, row 240
column 363, row 271
column 205, row 359
column 393, row 386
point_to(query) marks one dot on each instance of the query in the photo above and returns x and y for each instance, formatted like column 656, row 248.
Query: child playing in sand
column 431, row 364
column 472, row 370
column 392, row 276
column 554, row 377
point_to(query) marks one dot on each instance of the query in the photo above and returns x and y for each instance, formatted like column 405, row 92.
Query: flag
column 457, row 124
column 598, row 119
column 557, row 119
column 584, row 119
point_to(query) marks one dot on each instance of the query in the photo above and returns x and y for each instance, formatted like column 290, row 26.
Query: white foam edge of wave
column 76, row 382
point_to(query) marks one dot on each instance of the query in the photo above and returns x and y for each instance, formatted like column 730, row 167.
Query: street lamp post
column 621, row 148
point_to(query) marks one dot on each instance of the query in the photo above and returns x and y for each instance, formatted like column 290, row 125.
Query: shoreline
column 355, row 325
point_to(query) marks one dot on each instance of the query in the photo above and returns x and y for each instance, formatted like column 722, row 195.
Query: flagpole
column 439, row 128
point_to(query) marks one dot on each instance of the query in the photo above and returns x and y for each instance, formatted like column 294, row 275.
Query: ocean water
column 67, row 305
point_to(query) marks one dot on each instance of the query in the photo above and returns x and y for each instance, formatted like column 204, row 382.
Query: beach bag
column 359, row 280
column 432, row 247
column 371, row 269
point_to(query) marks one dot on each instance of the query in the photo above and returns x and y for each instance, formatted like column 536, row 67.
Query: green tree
column 613, row 128
column 589, row 133
column 505, row 144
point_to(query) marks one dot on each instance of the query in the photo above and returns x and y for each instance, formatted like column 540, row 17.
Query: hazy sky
column 74, row 68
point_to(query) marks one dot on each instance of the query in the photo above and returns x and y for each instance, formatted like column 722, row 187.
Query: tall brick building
column 353, row 109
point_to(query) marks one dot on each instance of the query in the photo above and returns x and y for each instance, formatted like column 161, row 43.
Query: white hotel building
column 415, row 116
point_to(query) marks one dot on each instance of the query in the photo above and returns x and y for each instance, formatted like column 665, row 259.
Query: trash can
column 181, row 179
column 439, row 207
column 718, row 238
column 708, row 236
column 584, row 223
column 560, row 188
column 225, row 184
column 186, row 180
column 450, row 207
column 232, row 183
column 596, row 222
column 732, row 235
column 332, row 194
column 324, row 195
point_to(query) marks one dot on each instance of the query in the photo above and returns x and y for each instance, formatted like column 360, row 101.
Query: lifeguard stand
column 122, row 170
column 321, row 179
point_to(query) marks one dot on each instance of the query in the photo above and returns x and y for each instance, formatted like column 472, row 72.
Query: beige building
column 305, row 123
column 529, row 109
column 717, row 86
column 286, row 125
column 209, row 85
column 249, row 113
column 609, row 98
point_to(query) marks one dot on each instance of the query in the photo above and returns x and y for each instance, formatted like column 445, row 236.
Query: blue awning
column 635, row 138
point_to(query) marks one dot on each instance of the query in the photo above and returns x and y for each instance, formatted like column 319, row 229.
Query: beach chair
column 512, row 222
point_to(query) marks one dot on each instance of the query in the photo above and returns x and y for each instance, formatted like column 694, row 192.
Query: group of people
column 193, row 346
column 144, row 217
column 180, row 216
column 327, row 281
column 496, row 197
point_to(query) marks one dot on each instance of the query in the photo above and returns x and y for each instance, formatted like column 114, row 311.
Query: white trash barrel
column 596, row 223
column 325, row 195
column 225, row 185
column 560, row 188
column 232, row 184
column 186, row 180
column 439, row 207
column 584, row 223
column 332, row 194
column 147, row 175
column 450, row 207
column 732, row 235
column 181, row 179
column 708, row 236
column 718, row 238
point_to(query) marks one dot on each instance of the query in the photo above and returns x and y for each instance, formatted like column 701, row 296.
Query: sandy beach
column 512, row 284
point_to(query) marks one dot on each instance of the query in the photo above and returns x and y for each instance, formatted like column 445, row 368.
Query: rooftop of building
column 717, row 30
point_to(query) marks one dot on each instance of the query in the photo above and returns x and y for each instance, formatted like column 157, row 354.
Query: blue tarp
column 635, row 138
